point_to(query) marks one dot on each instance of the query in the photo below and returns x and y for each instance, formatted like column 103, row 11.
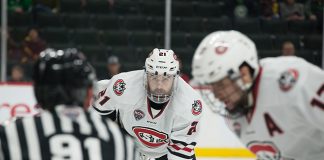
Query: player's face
column 227, row 91
column 160, row 84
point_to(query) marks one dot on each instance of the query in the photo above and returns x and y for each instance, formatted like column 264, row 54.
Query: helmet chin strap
column 250, row 99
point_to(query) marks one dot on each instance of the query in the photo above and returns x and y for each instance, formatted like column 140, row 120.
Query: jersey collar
column 150, row 110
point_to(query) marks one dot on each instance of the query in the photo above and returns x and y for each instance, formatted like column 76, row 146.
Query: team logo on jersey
column 288, row 79
column 264, row 150
column 150, row 137
column 138, row 114
column 119, row 87
column 196, row 107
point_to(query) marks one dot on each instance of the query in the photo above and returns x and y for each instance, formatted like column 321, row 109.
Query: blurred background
column 130, row 29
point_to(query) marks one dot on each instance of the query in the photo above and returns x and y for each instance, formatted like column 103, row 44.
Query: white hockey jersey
column 287, row 122
column 172, row 131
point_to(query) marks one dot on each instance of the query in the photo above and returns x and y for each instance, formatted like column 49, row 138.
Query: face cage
column 219, row 107
column 216, row 105
column 160, row 98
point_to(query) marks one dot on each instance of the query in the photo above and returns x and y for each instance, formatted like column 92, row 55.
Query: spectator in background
column 269, row 9
column 113, row 66
column 314, row 11
column 14, row 49
column 19, row 6
column 47, row 6
column 290, row 10
column 32, row 46
column 17, row 74
column 241, row 8
column 111, row 3
column 288, row 49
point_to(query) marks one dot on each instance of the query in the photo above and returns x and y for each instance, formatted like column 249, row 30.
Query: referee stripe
column 21, row 137
column 44, row 145
column 66, row 123
column 1, row 151
column 13, row 142
column 85, row 127
column 32, row 139
column 100, row 127
column 27, row 138
column 118, row 140
column 4, row 142
column 47, row 124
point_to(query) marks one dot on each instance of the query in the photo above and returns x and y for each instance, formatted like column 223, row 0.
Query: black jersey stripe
column 4, row 143
column 22, row 138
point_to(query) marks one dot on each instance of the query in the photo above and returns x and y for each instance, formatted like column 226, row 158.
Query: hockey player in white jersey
column 275, row 105
column 158, row 108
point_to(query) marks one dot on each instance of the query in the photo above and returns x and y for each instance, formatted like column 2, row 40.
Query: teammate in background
column 276, row 104
column 63, row 82
column 155, row 106
column 288, row 49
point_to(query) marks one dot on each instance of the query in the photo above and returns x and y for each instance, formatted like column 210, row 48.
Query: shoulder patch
column 119, row 87
column 288, row 79
column 196, row 107
column 138, row 114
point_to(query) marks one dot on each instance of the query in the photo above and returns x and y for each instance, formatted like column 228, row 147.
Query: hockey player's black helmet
column 62, row 77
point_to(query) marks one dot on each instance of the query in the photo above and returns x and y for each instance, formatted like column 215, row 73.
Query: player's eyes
column 160, row 77
column 166, row 78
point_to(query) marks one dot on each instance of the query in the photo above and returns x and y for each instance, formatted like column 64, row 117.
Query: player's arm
column 313, row 97
column 2, row 147
column 183, row 140
column 103, row 102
